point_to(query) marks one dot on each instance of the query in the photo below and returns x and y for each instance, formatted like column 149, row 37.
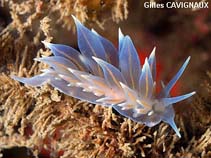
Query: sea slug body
column 101, row 74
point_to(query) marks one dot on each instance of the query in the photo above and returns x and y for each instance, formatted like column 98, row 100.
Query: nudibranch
column 101, row 74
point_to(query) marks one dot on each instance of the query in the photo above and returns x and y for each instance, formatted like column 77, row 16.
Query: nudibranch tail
column 101, row 74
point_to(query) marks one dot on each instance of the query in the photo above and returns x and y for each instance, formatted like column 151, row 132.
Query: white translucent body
column 101, row 74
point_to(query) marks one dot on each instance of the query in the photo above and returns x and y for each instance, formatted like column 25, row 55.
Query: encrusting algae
column 50, row 123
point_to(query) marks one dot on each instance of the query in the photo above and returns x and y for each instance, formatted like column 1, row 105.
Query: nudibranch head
column 102, row 74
